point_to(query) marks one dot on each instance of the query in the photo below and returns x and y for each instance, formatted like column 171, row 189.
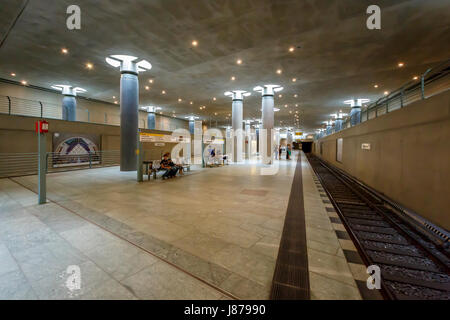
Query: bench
column 153, row 166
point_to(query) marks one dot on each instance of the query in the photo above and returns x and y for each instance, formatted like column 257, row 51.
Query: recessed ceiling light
column 215, row 113
column 233, row 78
column 150, row 80
column 195, row 43
column 285, row 105
column 400, row 64
column 191, row 102
column 386, row 93
column 115, row 102
column 13, row 74
column 375, row 86
column 280, row 96
column 179, row 100
column 291, row 49
column 89, row 65
column 295, row 95
column 415, row 77
column 114, row 97
column 279, row 71
column 163, row 92
column 214, row 99
column 64, row 51
column 294, row 79
column 23, row 82
column 239, row 61
column 229, row 114
column 296, row 104
column 201, row 108
column 290, row 111
column 147, row 88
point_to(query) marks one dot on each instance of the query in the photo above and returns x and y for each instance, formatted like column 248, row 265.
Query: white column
column 248, row 139
column 267, row 134
column 236, row 122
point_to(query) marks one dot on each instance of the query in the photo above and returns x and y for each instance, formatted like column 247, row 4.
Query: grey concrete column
column 69, row 108
column 338, row 124
column 257, row 139
column 236, row 122
column 129, row 120
column 129, row 106
column 151, row 120
column 268, row 123
column 355, row 113
column 191, row 126
column 266, row 143
column 69, row 102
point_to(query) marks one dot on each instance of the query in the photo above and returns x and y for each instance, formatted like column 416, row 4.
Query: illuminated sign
column 162, row 138
column 365, row 146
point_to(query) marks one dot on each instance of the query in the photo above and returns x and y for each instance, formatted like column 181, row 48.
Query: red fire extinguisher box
column 42, row 126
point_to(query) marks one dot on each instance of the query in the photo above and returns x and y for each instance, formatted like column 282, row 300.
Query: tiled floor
column 336, row 267
column 213, row 234
column 330, row 275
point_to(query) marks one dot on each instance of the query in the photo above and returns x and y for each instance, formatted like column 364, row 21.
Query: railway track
column 413, row 265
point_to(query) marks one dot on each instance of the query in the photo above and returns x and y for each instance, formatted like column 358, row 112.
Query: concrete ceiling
column 335, row 58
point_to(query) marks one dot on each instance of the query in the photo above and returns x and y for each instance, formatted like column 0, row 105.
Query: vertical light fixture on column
column 329, row 127
column 129, row 104
column 151, row 117
column 265, row 146
column 237, row 115
column 69, row 102
column 355, row 113
column 339, row 118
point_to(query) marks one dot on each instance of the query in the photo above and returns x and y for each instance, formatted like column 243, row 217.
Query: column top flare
column 127, row 64
column 68, row 90
column 237, row 94
column 268, row 89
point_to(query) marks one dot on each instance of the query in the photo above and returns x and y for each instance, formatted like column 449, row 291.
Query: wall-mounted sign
column 339, row 146
column 213, row 140
column 42, row 126
column 365, row 146
column 157, row 137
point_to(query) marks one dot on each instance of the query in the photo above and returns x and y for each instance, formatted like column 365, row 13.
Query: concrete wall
column 17, row 135
column 94, row 111
column 409, row 159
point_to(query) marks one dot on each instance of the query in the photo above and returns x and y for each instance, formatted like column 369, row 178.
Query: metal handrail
column 40, row 109
column 20, row 164
column 407, row 93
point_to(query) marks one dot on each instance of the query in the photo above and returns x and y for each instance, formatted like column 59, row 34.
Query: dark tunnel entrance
column 306, row 147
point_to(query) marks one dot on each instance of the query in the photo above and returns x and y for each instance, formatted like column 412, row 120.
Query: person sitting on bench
column 168, row 165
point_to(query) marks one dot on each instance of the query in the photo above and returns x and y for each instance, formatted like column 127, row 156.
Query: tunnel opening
column 306, row 146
